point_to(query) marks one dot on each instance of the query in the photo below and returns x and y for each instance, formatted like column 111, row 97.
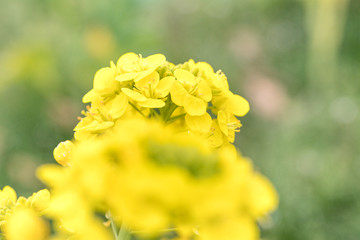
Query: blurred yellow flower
column 24, row 223
column 143, row 168
column 155, row 142
column 20, row 217
column 99, row 41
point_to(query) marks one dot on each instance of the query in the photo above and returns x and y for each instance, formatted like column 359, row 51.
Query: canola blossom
column 20, row 217
column 150, row 178
column 185, row 95
column 152, row 158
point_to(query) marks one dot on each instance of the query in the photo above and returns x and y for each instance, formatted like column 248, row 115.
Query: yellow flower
column 228, row 125
column 170, row 178
column 200, row 124
column 105, row 84
column 215, row 136
column 7, row 195
column 40, row 200
column 24, row 223
column 134, row 67
column 62, row 151
column 231, row 103
column 10, row 205
column 190, row 92
column 101, row 117
column 149, row 91
column 140, row 87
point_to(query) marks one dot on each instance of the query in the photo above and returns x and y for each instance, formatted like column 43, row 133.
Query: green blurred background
column 297, row 62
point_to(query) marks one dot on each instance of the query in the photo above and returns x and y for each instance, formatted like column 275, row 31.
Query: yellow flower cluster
column 150, row 178
column 152, row 156
column 185, row 95
column 19, row 217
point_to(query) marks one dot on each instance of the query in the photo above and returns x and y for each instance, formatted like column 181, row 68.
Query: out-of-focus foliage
column 296, row 61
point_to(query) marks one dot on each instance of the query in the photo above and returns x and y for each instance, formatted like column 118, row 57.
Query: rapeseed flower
column 20, row 217
column 171, row 179
column 26, row 224
column 189, row 95
column 152, row 153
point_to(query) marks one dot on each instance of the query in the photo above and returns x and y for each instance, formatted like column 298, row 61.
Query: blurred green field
column 297, row 62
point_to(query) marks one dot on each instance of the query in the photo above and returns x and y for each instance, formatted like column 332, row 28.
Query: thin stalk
column 176, row 118
column 124, row 233
column 138, row 110
column 113, row 227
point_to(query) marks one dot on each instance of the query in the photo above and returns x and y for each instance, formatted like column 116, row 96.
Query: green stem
column 113, row 227
column 154, row 113
column 138, row 110
column 169, row 111
column 124, row 233
column 176, row 118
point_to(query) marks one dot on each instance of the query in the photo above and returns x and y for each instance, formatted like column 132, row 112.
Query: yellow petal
column 155, row 60
column 25, row 224
column 204, row 91
column 231, row 136
column 164, row 86
column 144, row 74
column 152, row 103
column 96, row 126
column 199, row 123
column 83, row 123
column 216, row 137
column 83, row 135
column 194, row 106
column 90, row 96
column 262, row 195
column 204, row 66
column 220, row 81
column 104, row 79
column 62, row 152
column 178, row 93
column 41, row 200
column 138, row 97
column 184, row 76
column 238, row 105
column 8, row 193
column 126, row 76
column 130, row 56
column 118, row 106
column 112, row 64
column 150, row 81
column 127, row 58
column 222, row 121
column 51, row 174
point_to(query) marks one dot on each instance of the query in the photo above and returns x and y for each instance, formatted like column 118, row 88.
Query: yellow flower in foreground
column 20, row 217
column 169, row 178
column 24, row 224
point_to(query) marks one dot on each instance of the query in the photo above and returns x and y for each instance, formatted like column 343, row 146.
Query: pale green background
column 297, row 62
